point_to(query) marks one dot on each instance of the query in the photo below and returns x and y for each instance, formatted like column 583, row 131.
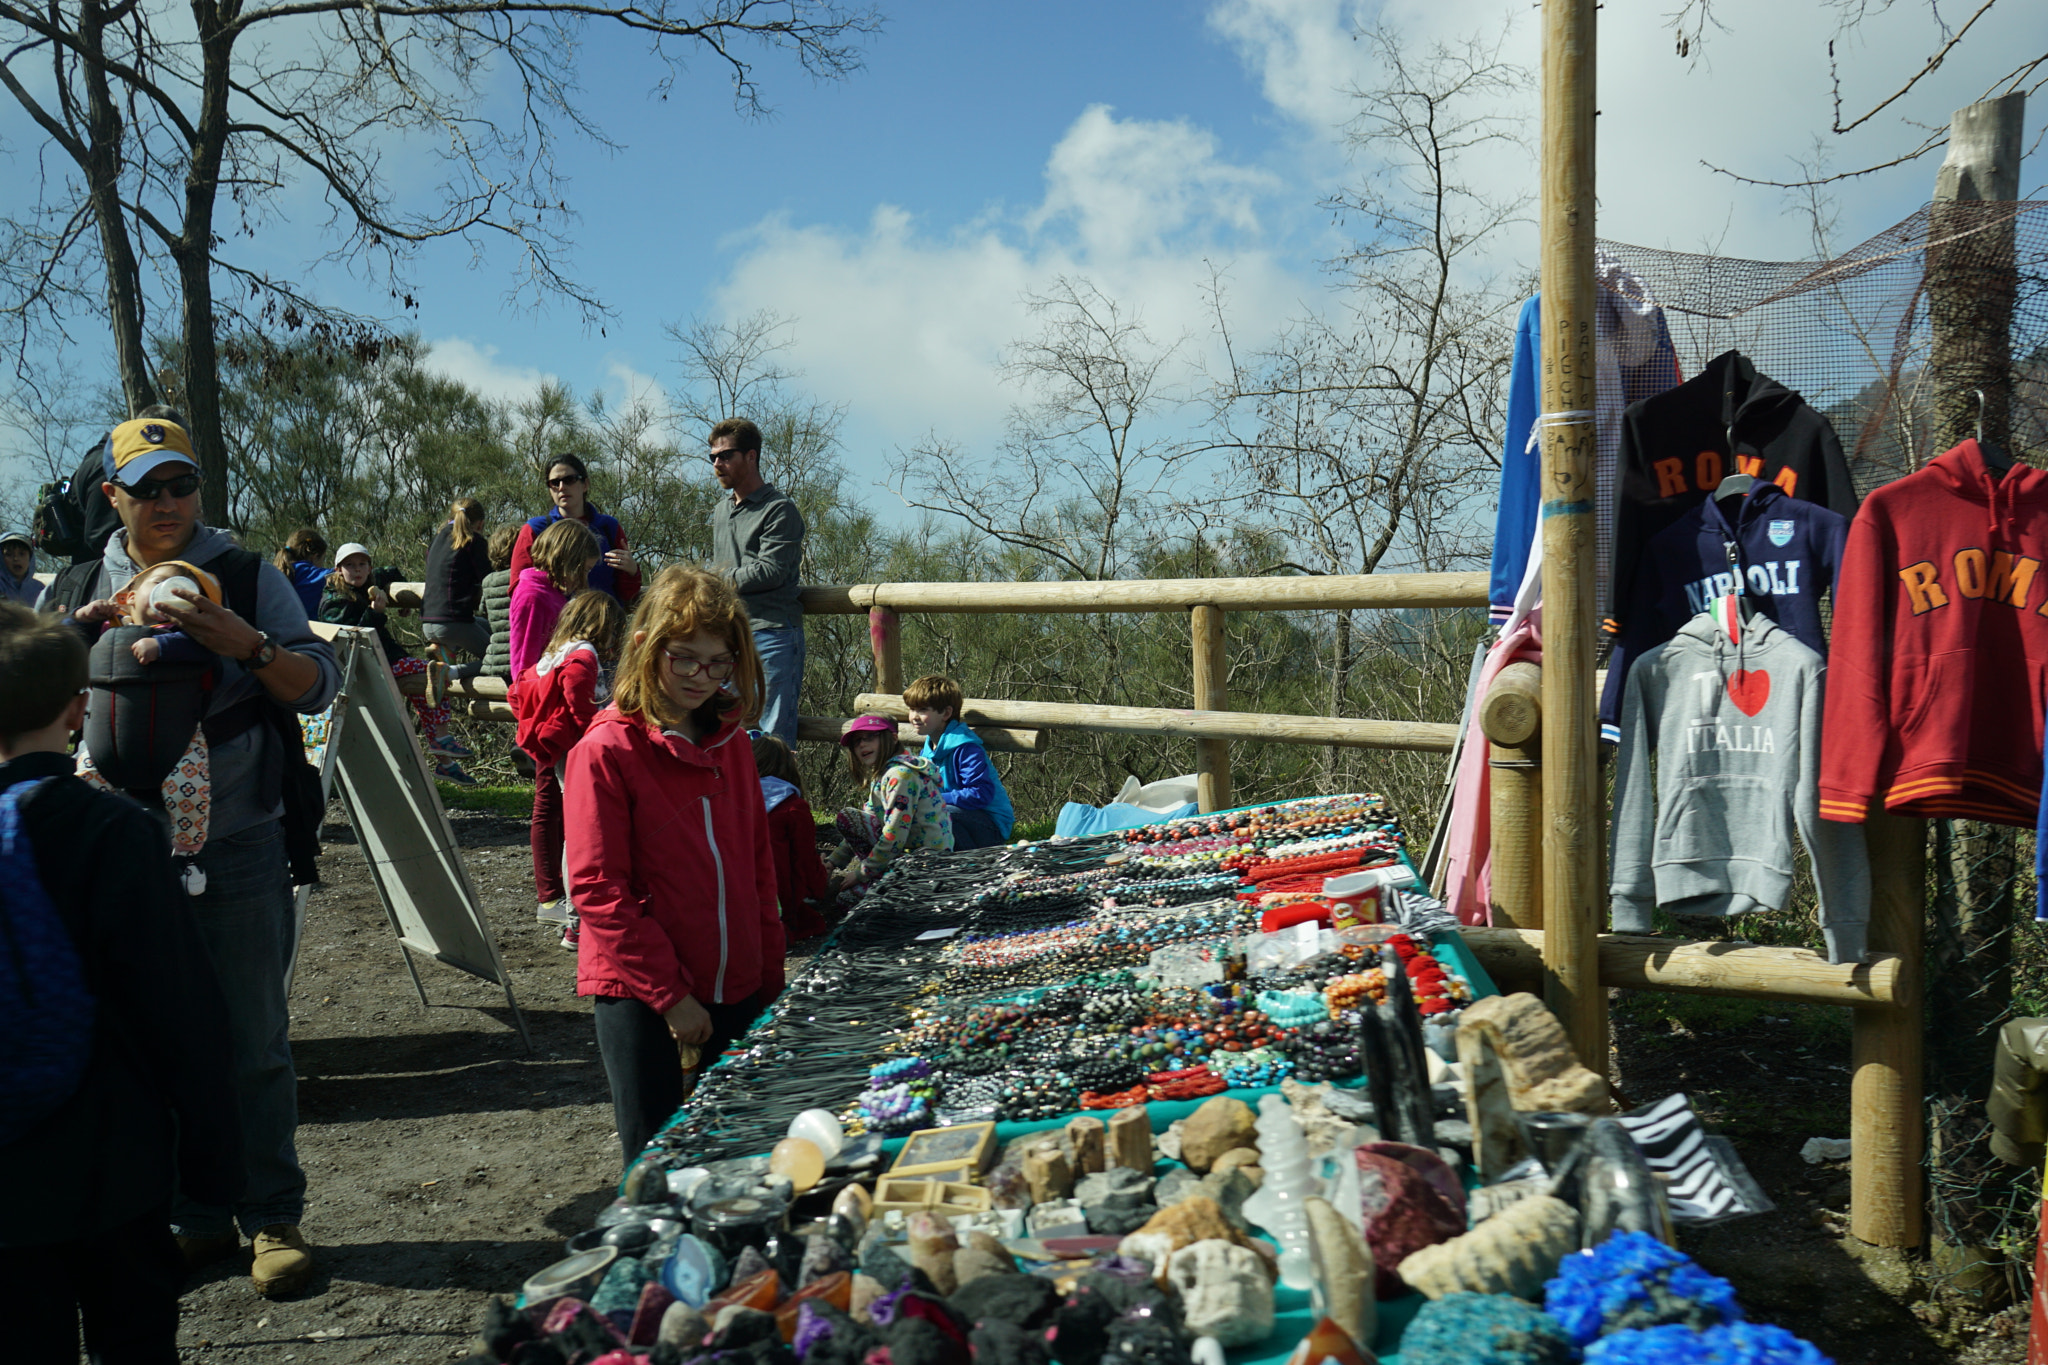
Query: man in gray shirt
column 757, row 540
column 271, row 660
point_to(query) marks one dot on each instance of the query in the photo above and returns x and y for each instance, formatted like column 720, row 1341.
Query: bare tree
column 1694, row 20
column 1375, row 434
column 152, row 114
column 1088, row 462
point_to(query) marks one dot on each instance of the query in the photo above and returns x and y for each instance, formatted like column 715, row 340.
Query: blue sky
column 901, row 216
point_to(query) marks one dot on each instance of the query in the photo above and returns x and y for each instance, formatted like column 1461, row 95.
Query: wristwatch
column 264, row 654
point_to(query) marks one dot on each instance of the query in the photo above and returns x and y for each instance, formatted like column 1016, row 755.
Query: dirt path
column 444, row 1163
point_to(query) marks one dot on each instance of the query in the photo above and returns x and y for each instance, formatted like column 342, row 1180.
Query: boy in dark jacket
column 85, row 1228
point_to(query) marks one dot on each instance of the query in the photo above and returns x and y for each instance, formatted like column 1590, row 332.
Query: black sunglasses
column 729, row 453
column 149, row 490
column 564, row 483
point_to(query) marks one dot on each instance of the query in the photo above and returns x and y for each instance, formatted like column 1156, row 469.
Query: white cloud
column 1303, row 53
column 1128, row 186
column 1752, row 104
column 477, row 366
column 909, row 323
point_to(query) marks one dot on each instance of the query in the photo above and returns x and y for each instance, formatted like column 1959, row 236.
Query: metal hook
column 1980, row 416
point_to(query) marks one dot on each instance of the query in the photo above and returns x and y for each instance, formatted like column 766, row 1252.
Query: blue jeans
column 974, row 828
column 782, row 679
column 245, row 917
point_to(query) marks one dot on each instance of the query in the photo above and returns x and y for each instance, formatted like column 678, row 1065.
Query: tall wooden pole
column 1212, row 673
column 1574, row 902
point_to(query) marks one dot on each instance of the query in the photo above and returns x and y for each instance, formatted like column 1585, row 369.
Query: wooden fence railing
column 1020, row 727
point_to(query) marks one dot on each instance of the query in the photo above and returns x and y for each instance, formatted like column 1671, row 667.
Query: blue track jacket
column 970, row 780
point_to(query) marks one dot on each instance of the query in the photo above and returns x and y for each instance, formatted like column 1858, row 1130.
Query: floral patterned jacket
column 906, row 812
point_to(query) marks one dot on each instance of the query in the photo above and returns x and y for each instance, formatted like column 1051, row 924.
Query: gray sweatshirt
column 759, row 544
column 1737, row 738
column 237, row 764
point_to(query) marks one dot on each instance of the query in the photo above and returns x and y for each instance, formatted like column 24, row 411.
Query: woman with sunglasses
column 669, row 862
column 569, row 485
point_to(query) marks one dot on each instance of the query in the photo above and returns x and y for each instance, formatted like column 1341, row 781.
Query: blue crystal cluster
column 1633, row 1280
column 1736, row 1343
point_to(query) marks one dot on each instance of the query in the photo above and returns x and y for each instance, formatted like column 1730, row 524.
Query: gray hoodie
column 237, row 764
column 1736, row 732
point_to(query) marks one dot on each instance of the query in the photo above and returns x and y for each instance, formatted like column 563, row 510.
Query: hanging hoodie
column 1787, row 551
column 1941, row 647
column 1727, row 419
column 1633, row 360
column 1736, row 730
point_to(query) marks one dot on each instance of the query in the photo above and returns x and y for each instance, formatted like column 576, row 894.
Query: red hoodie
column 555, row 701
column 669, row 866
column 1940, row 647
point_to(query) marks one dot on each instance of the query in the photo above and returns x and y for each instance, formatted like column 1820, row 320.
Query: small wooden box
column 943, row 1198
column 967, row 1147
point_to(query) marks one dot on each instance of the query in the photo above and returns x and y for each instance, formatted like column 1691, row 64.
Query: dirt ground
column 446, row 1163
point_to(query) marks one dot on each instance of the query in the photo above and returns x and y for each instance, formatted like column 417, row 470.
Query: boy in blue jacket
column 972, row 792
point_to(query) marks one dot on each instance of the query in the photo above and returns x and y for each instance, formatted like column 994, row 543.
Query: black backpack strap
column 74, row 586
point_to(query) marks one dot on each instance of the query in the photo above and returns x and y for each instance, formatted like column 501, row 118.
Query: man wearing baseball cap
column 18, row 581
column 274, row 666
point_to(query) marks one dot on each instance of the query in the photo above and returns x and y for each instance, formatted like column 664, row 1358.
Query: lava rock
column 996, row 1342
column 1019, row 1300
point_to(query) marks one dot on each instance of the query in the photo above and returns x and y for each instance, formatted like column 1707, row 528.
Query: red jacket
column 555, row 701
column 669, row 866
column 1940, row 647
column 799, row 872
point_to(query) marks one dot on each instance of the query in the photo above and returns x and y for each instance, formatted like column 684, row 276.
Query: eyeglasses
column 569, row 482
column 729, row 453
column 688, row 666
column 149, row 490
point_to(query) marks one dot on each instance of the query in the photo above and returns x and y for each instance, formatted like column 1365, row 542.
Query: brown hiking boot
column 204, row 1251
column 283, row 1263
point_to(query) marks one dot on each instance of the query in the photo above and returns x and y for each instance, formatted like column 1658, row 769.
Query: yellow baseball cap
column 137, row 448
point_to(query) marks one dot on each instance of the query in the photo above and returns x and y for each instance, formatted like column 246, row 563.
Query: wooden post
column 885, row 637
column 1572, row 828
column 1510, row 716
column 1886, row 1126
column 1212, row 673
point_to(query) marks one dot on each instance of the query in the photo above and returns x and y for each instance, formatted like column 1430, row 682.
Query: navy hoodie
column 1728, row 419
column 1788, row 550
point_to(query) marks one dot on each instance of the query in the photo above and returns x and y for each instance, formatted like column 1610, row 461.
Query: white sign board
column 373, row 754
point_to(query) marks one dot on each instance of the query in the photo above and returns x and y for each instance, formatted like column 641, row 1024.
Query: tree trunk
column 1971, row 287
column 194, row 255
column 103, row 186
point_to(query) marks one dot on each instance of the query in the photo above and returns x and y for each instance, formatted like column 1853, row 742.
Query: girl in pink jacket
column 668, row 853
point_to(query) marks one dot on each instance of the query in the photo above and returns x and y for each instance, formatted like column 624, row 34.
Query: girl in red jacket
column 800, row 875
column 555, row 701
column 669, row 864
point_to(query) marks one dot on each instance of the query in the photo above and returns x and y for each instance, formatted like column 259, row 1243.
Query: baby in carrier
column 151, row 686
